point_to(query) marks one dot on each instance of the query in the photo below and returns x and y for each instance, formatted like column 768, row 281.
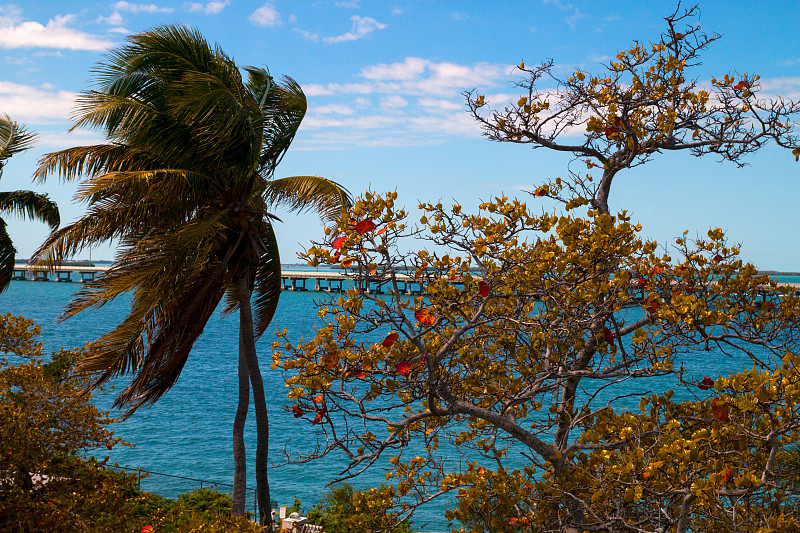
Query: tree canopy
column 553, row 373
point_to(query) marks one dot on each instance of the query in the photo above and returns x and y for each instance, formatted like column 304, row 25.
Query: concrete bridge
column 291, row 280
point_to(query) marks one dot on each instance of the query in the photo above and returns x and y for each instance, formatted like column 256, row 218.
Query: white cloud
column 292, row 18
column 397, row 11
column 362, row 26
column 333, row 109
column 265, row 15
column 209, row 8
column 409, row 69
column 307, row 34
column 349, row 4
column 15, row 33
column 141, row 8
column 114, row 19
column 412, row 102
column 37, row 104
column 394, row 101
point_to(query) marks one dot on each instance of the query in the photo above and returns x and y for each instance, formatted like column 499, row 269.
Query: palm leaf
column 301, row 193
column 31, row 205
column 13, row 139
column 7, row 253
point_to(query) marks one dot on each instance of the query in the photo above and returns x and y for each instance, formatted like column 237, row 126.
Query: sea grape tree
column 553, row 374
column 645, row 102
column 540, row 349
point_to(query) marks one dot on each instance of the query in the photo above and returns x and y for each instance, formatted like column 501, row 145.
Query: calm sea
column 188, row 432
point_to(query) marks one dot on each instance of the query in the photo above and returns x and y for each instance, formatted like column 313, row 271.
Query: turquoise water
column 188, row 431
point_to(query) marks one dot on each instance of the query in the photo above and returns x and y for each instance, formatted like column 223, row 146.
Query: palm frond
column 301, row 193
column 13, row 139
column 80, row 161
column 284, row 107
column 32, row 205
column 7, row 253
column 267, row 283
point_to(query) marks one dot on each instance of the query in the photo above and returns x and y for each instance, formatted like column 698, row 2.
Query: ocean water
column 188, row 431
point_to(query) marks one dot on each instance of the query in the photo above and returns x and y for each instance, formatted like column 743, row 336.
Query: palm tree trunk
column 239, row 455
column 248, row 347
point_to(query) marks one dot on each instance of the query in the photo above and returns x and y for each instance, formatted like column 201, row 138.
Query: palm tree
column 14, row 139
column 185, row 184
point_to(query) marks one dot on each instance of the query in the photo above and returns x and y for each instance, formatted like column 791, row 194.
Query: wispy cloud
column 209, row 8
column 349, row 4
column 307, row 34
column 16, row 33
column 141, row 8
column 265, row 15
column 571, row 19
column 412, row 102
column 362, row 26
column 37, row 104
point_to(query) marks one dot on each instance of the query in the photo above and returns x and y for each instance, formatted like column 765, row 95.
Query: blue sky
column 385, row 80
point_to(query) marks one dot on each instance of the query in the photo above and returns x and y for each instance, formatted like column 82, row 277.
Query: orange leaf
column 297, row 411
column 726, row 476
column 641, row 283
column 404, row 368
column 319, row 398
column 381, row 231
column 424, row 317
column 320, row 415
column 483, row 288
column 739, row 86
column 338, row 242
column 365, row 226
column 147, row 529
column 541, row 191
column 719, row 409
column 330, row 360
column 347, row 262
column 390, row 339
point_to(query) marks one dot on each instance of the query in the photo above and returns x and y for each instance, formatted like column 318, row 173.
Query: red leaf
column 611, row 131
column 608, row 336
column 726, row 476
column 297, row 411
column 652, row 306
column 318, row 419
column 365, row 226
column 338, row 242
column 719, row 409
column 706, row 384
column 404, row 368
column 319, row 398
column 483, row 287
column 717, row 258
column 147, row 529
column 541, row 191
column 739, row 86
column 381, row 231
column 347, row 262
column 641, row 283
column 390, row 339
column 424, row 317
column 110, row 446
column 336, row 257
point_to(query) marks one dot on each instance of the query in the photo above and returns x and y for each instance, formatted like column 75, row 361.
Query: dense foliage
column 550, row 375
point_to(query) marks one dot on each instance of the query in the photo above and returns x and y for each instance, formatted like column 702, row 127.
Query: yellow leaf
column 796, row 154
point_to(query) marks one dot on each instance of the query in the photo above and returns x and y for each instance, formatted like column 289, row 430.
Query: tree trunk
column 248, row 345
column 239, row 455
